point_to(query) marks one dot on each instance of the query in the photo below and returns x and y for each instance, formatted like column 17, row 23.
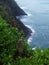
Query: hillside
column 14, row 48
column 9, row 10
column 15, row 9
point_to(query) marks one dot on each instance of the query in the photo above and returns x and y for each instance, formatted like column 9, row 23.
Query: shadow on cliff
column 17, row 11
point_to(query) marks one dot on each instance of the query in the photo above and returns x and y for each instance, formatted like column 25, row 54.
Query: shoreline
column 31, row 34
column 27, row 31
column 14, row 10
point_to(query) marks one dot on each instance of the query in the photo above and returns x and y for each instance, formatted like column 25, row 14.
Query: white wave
column 33, row 31
column 21, row 17
column 24, row 20
column 28, row 14
column 29, row 40
column 34, row 48
column 23, row 8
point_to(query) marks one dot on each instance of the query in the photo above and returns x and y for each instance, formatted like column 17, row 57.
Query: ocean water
column 37, row 20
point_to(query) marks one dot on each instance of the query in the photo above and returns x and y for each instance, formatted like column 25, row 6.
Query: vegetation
column 5, row 12
column 8, row 41
column 9, row 37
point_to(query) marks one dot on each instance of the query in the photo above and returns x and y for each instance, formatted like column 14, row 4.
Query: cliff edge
column 9, row 10
column 15, row 9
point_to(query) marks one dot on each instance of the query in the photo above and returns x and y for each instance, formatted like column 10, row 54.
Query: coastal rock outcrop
column 9, row 10
column 15, row 9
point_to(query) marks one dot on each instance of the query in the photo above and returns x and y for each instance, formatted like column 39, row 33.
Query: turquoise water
column 38, row 20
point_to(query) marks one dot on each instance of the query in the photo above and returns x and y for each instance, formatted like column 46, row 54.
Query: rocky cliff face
column 15, row 9
column 9, row 10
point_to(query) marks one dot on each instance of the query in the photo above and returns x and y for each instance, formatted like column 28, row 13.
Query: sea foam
column 24, row 8
column 33, row 32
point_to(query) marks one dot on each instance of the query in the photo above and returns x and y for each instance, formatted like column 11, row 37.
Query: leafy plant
column 9, row 37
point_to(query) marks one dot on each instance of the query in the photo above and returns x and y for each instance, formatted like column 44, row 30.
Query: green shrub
column 22, row 61
column 27, row 49
column 6, row 13
column 9, row 37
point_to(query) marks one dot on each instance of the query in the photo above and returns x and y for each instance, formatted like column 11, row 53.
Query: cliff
column 15, row 9
column 9, row 10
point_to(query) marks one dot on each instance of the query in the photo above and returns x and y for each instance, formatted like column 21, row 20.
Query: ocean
column 37, row 20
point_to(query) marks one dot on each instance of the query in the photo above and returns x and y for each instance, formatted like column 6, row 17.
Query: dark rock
column 15, row 9
column 25, row 29
column 17, row 23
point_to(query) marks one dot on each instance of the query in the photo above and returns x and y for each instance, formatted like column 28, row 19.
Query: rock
column 20, row 47
column 15, row 9
column 9, row 10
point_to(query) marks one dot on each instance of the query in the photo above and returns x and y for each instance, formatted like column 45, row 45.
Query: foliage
column 9, row 36
column 6, row 13
column 40, row 57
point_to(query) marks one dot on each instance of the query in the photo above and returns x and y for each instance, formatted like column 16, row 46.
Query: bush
column 9, row 37
column 22, row 61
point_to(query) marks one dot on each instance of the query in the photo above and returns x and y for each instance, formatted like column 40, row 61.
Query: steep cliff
column 9, row 10
column 15, row 9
